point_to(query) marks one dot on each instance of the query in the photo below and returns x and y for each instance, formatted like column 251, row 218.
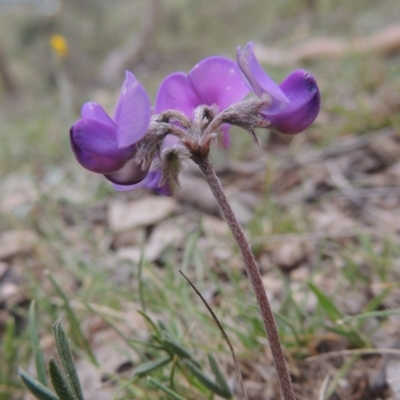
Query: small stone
column 9, row 290
column 289, row 255
column 272, row 285
column 300, row 274
column 3, row 268
column 129, row 253
column 214, row 227
column 16, row 242
column 123, row 216
column 163, row 236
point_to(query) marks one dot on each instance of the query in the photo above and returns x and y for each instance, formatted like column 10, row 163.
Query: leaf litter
column 351, row 210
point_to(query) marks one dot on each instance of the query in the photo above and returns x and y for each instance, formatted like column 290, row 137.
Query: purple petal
column 155, row 184
column 96, row 112
column 305, row 102
column 151, row 181
column 176, row 93
column 97, row 138
column 299, row 87
column 257, row 79
column 169, row 141
column 165, row 190
column 226, row 139
column 131, row 173
column 217, row 80
column 132, row 113
column 93, row 162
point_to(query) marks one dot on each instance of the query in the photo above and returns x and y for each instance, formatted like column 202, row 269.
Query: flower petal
column 305, row 102
column 98, row 138
column 176, row 93
column 150, row 181
column 131, row 173
column 256, row 78
column 299, row 87
column 132, row 113
column 93, row 162
column 217, row 80
column 225, row 137
column 96, row 112
column 169, row 141
column 164, row 190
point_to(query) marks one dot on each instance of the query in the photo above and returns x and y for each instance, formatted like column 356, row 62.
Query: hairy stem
column 254, row 276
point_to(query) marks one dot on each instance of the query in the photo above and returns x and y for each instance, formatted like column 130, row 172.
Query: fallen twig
column 343, row 147
column 385, row 41
column 324, row 387
column 359, row 352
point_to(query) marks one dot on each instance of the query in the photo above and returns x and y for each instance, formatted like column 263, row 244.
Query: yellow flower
column 60, row 45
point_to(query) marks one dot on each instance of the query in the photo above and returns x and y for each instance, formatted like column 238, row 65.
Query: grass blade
column 225, row 336
column 165, row 389
column 219, row 377
column 175, row 347
column 74, row 323
column 35, row 343
column 140, row 280
column 366, row 315
column 285, row 321
column 343, row 371
column 375, row 302
column 60, row 382
column 207, row 381
column 129, row 342
column 36, row 388
column 67, row 360
column 10, row 352
column 326, row 304
column 147, row 367
column 354, row 337
column 150, row 322
column 189, row 250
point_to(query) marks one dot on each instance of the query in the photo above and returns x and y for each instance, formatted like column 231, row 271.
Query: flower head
column 155, row 178
column 108, row 145
column 60, row 45
column 295, row 103
column 215, row 81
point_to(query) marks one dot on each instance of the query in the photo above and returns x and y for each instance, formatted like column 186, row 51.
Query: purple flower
column 154, row 179
column 295, row 102
column 108, row 146
column 215, row 81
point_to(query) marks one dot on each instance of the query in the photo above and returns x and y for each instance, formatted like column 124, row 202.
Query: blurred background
column 321, row 207
column 349, row 47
